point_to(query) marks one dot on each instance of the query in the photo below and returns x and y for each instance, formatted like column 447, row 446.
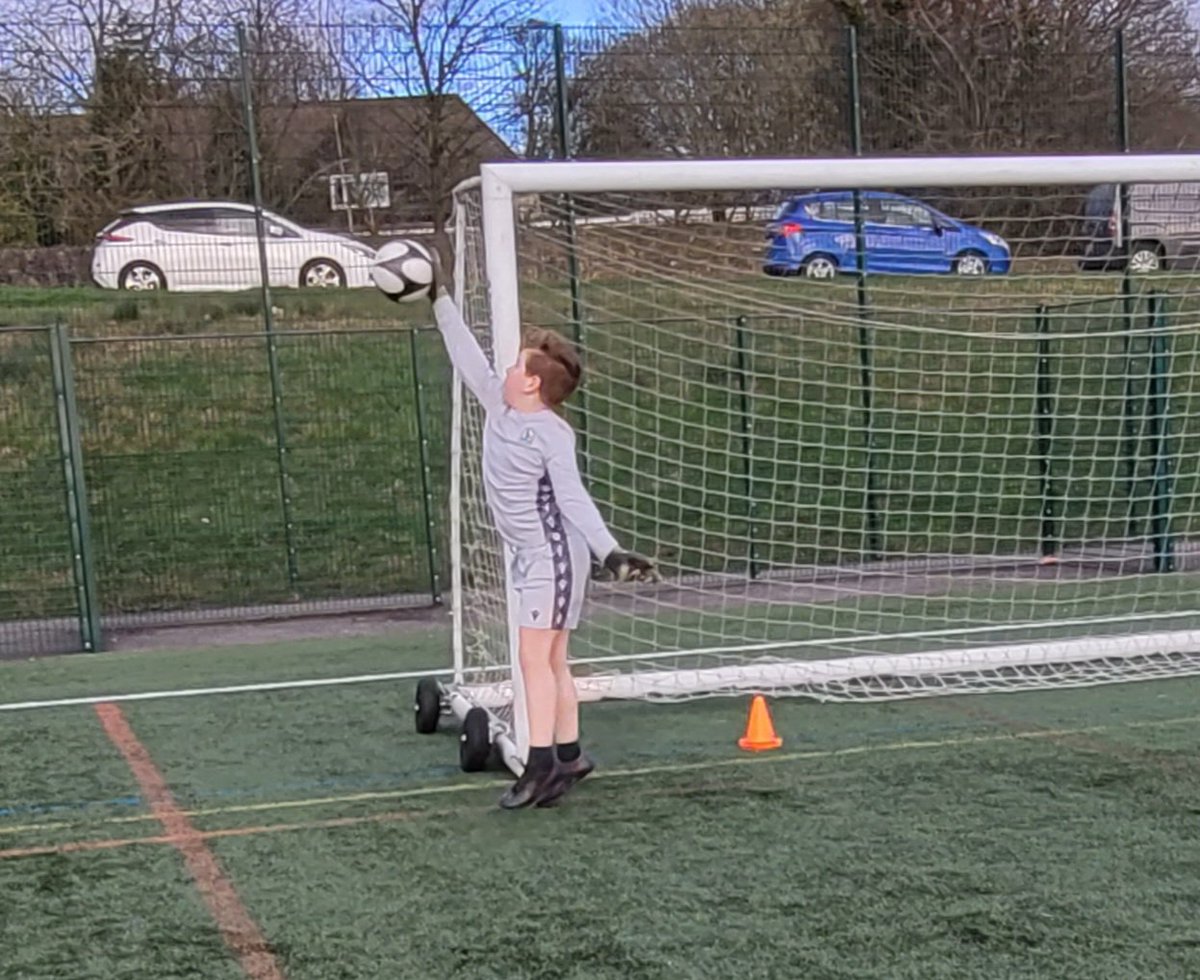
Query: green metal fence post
column 285, row 493
column 562, row 129
column 1128, row 302
column 1045, row 433
column 1159, row 426
column 747, row 428
column 78, row 513
column 874, row 542
column 1122, row 90
column 1131, row 422
column 435, row 587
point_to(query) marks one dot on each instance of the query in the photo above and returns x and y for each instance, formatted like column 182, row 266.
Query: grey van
column 1163, row 223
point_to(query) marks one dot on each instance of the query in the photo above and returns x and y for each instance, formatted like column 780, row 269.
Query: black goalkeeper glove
column 628, row 566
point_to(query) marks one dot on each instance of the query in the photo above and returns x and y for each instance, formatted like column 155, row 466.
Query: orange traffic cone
column 760, row 731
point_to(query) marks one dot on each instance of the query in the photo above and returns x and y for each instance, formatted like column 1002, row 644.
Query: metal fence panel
column 39, row 604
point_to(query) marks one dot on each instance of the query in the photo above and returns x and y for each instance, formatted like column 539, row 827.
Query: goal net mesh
column 969, row 466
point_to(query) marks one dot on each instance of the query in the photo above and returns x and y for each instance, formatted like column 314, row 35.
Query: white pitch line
column 234, row 689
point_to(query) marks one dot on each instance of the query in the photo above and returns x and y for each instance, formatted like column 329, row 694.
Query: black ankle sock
column 541, row 758
column 568, row 751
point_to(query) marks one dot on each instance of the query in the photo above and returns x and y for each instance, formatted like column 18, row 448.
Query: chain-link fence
column 145, row 477
column 189, row 470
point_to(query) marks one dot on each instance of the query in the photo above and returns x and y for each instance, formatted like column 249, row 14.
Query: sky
column 574, row 12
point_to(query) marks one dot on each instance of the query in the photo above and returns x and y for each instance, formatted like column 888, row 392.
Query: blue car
column 814, row 234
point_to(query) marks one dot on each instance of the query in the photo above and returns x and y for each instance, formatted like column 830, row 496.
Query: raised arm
column 466, row 355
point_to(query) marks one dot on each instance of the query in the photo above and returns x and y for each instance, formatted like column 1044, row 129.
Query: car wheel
column 141, row 276
column 820, row 267
column 970, row 264
column 322, row 274
column 1145, row 257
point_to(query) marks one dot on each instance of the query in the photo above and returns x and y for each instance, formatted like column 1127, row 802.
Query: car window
column 907, row 215
column 276, row 228
column 120, row 221
column 231, row 223
column 830, row 210
column 192, row 220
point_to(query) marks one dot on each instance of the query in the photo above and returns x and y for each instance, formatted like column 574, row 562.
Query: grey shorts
column 551, row 581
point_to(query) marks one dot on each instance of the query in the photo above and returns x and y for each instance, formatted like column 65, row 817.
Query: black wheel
column 474, row 741
column 1144, row 258
column 142, row 277
column 820, row 266
column 428, row 705
column 971, row 264
column 322, row 274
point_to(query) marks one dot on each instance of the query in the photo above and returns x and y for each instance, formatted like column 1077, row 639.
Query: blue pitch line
column 40, row 809
column 133, row 801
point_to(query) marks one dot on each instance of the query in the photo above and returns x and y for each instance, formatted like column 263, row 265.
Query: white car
column 213, row 245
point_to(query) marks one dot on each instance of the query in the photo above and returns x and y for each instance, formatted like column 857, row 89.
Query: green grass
column 183, row 470
column 1043, row 834
column 94, row 312
column 716, row 442
column 117, row 916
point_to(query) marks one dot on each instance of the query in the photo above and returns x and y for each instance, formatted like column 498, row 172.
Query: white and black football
column 403, row 270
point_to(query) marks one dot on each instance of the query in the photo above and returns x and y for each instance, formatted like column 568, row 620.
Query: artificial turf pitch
column 1048, row 834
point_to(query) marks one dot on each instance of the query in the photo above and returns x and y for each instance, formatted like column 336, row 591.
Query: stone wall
column 59, row 266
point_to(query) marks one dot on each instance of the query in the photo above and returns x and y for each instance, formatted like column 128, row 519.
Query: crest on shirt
column 527, row 436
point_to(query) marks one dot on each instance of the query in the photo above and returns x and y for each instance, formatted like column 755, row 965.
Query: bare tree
column 290, row 63
column 535, row 99
column 764, row 76
column 77, row 87
column 1018, row 75
column 733, row 78
column 114, row 103
column 445, row 53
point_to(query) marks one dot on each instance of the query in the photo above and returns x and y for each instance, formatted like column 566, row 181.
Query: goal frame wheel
column 475, row 741
column 427, row 705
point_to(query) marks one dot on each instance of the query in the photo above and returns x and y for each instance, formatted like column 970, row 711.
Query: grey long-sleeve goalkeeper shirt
column 525, row 454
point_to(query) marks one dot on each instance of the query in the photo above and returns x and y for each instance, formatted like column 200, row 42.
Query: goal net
column 892, row 428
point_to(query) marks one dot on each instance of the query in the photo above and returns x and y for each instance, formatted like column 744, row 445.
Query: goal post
column 953, row 458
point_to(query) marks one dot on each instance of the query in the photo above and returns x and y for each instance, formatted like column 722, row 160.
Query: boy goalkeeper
column 548, row 523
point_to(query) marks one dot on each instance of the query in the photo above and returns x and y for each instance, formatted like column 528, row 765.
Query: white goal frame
column 499, row 183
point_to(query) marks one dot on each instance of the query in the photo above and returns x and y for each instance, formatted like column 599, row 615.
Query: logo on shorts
column 533, row 614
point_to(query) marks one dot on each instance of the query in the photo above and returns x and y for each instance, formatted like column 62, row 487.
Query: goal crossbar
column 586, row 176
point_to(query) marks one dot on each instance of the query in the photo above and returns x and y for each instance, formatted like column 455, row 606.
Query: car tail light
column 112, row 236
column 790, row 229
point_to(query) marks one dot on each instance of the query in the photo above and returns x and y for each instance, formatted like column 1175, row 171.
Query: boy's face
column 519, row 384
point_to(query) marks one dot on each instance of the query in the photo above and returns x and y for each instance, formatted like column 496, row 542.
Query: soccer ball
column 403, row 270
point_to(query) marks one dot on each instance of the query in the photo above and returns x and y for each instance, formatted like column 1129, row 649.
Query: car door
column 915, row 242
column 184, row 247
column 882, row 239
column 236, row 243
column 286, row 250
